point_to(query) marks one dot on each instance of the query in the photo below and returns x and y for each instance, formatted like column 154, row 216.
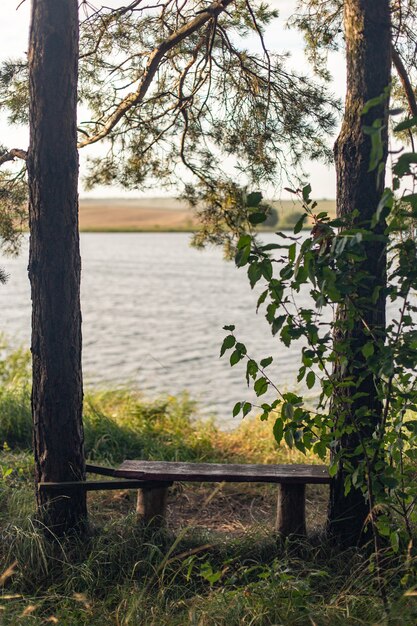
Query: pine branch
column 155, row 57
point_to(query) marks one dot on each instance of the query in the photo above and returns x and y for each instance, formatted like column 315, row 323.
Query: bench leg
column 151, row 505
column 291, row 512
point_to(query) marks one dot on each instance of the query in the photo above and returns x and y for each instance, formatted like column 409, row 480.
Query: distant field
column 159, row 214
column 147, row 214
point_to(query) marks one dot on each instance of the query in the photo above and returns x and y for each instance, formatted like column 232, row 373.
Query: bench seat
column 222, row 472
column 291, row 479
column 153, row 478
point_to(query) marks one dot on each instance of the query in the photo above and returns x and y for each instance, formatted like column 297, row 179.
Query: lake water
column 153, row 311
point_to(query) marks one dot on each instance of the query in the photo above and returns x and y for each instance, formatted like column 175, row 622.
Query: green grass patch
column 122, row 575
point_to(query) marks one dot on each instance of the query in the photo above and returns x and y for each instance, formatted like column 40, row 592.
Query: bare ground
column 231, row 509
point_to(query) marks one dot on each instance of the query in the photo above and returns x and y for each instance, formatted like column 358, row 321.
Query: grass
column 122, row 575
column 203, row 569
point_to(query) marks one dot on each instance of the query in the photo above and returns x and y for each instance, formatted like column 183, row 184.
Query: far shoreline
column 164, row 215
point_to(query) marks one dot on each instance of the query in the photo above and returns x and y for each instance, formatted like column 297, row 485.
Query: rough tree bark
column 368, row 52
column 54, row 262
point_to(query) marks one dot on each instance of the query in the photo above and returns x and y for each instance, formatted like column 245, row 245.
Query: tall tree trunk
column 54, row 262
column 368, row 52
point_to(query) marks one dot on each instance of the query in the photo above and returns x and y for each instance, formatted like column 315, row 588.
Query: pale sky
column 14, row 28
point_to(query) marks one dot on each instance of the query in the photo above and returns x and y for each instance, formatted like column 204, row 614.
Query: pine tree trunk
column 368, row 52
column 54, row 262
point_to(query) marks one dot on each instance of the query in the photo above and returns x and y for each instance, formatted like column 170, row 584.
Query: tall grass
column 123, row 576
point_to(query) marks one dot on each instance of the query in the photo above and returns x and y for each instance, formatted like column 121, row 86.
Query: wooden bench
column 153, row 478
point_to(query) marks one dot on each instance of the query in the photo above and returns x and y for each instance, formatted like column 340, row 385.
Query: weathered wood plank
column 91, row 485
column 219, row 472
column 99, row 469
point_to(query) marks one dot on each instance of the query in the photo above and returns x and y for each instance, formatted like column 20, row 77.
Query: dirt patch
column 232, row 509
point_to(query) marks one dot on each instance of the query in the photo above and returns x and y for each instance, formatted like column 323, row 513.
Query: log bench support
column 151, row 505
column 291, row 510
column 290, row 518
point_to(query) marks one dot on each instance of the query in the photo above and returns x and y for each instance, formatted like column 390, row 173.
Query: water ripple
column 153, row 311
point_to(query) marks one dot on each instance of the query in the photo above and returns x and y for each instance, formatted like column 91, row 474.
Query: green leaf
column 278, row 430
column 266, row 268
column 253, row 199
column 390, row 482
column 273, row 246
column 254, row 273
column 292, row 252
column 270, row 312
column 230, row 328
column 237, row 409
column 277, row 323
column 286, row 272
column 368, row 349
column 242, row 256
column 373, row 102
column 333, row 470
column 320, row 449
column 287, row 411
column 289, row 438
column 251, row 369
column 261, row 299
column 410, row 198
column 300, row 223
column 377, row 144
column 266, row 362
column 310, row 379
column 384, row 206
column 406, row 124
column 246, row 408
column 228, row 343
column 301, row 373
column 257, row 218
column 261, row 386
column 244, row 241
column 235, row 357
column 306, row 191
column 384, row 525
column 240, row 347
column 206, row 572
column 402, row 166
